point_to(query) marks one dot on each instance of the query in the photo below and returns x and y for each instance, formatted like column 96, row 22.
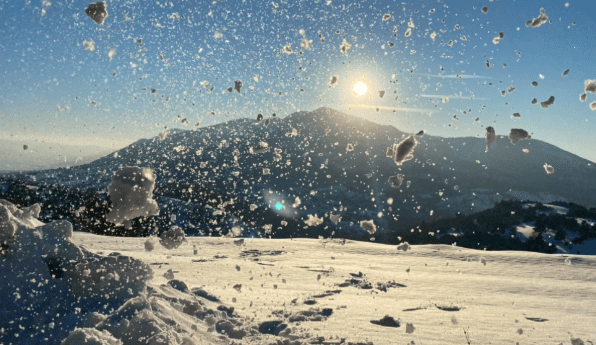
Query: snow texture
column 90, row 336
column 131, row 193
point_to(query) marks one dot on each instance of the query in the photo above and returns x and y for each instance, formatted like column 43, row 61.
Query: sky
column 151, row 61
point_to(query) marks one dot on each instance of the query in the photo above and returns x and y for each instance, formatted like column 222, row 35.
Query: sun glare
column 360, row 88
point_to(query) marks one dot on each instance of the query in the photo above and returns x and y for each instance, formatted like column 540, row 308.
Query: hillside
column 234, row 174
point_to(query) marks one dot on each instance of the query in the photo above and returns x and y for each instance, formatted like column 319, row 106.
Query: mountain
column 235, row 173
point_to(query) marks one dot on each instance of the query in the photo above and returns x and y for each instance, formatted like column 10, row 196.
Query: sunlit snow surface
column 259, row 291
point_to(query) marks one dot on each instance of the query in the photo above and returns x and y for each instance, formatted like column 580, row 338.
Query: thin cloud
column 454, row 76
column 375, row 107
column 454, row 97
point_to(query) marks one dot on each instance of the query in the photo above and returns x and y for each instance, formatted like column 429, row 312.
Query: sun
column 360, row 88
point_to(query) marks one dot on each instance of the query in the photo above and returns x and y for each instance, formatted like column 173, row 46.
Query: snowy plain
column 499, row 294
column 65, row 287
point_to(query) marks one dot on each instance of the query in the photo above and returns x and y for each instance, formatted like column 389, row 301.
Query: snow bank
column 90, row 336
column 131, row 193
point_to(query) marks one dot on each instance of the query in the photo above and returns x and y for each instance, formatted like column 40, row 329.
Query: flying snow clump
column 131, row 193
column 549, row 169
column 89, row 45
column 396, row 181
column 97, row 11
column 490, row 137
column 583, row 97
column 368, row 226
column 345, row 46
column 538, row 21
column 548, row 102
column 172, row 238
column 405, row 246
column 261, row 148
column 590, row 86
column 313, row 220
column 333, row 81
column 517, row 134
column 335, row 218
column 403, row 151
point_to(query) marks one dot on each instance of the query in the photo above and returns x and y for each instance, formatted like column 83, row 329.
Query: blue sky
column 47, row 67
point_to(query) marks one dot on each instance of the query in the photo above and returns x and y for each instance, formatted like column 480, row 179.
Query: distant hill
column 513, row 225
column 219, row 173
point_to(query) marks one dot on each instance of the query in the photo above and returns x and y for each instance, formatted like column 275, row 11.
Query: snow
column 527, row 231
column 490, row 137
column 65, row 290
column 172, row 238
column 131, row 193
column 404, row 151
column 518, row 134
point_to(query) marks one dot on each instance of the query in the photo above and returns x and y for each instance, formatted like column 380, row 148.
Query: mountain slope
column 307, row 157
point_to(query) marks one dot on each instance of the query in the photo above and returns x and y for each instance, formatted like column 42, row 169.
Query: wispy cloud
column 454, row 76
column 455, row 97
column 371, row 106
column 67, row 141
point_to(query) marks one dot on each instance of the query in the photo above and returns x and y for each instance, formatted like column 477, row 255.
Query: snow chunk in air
column 97, row 11
column 590, row 86
column 333, row 81
column 172, row 238
column 396, row 181
column 403, row 151
column 517, row 134
column 345, row 46
column 313, row 220
column 405, row 246
column 131, row 193
column 538, row 21
column 368, row 226
column 261, row 148
column 490, row 137
column 548, row 102
column 549, row 169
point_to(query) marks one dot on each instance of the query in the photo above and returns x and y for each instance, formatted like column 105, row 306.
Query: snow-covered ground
column 225, row 290
column 498, row 294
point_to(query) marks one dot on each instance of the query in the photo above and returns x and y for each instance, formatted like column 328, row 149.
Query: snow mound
column 90, row 336
column 131, row 193
column 61, row 293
